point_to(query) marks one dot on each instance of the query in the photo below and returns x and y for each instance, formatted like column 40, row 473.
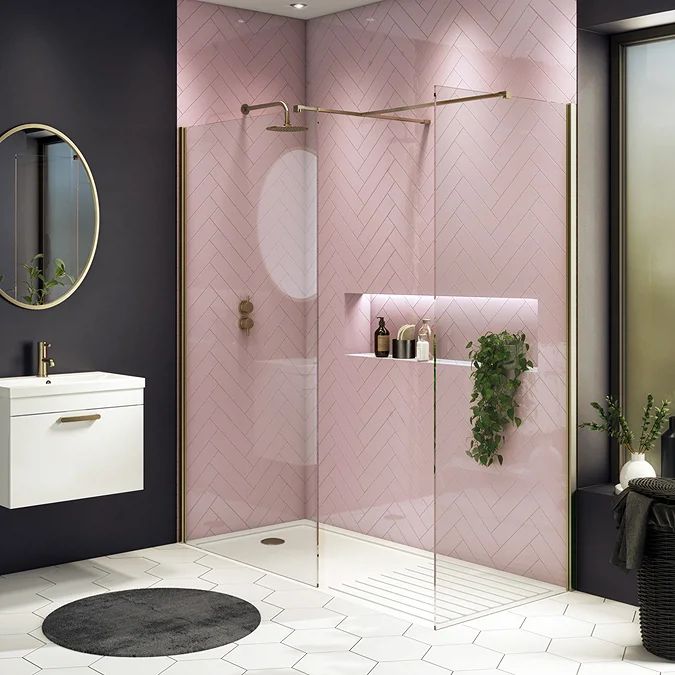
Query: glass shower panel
column 649, row 242
column 251, row 386
column 500, row 260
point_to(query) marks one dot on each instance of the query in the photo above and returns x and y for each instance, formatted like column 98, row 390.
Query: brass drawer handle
column 80, row 418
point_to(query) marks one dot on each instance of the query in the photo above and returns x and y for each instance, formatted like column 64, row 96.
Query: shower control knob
column 245, row 306
column 246, row 323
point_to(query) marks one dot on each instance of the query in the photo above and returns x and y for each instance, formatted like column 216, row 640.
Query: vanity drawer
column 62, row 456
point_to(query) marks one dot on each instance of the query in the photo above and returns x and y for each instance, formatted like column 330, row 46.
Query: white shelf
column 440, row 362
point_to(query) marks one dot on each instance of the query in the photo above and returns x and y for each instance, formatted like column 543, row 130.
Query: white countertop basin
column 67, row 383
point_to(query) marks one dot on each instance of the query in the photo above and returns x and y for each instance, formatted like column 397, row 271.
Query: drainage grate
column 272, row 541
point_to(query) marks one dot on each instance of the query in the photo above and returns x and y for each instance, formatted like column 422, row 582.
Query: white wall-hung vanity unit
column 70, row 436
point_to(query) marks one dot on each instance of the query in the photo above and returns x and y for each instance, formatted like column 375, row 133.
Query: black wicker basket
column 656, row 576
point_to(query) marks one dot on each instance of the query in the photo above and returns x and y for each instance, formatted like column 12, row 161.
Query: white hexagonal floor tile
column 233, row 575
column 496, row 621
column 267, row 611
column 114, row 665
column 349, row 607
column 407, row 668
column 309, row 617
column 374, row 625
column 538, row 664
column 596, row 612
column 118, row 581
column 397, row 648
column 463, row 657
column 19, row 667
column 215, row 653
column 558, row 626
column 72, row 590
column 17, row 646
column 586, row 649
column 460, row 634
column 512, row 641
column 274, row 671
column 490, row 671
column 189, row 582
column 179, row 570
column 275, row 583
column 203, row 667
column 335, row 663
column 577, row 598
column 248, row 591
column 13, row 624
column 54, row 656
column 264, row 656
column 21, row 602
column 626, row 634
column 268, row 631
column 298, row 598
column 316, row 640
column 641, row 657
column 546, row 607
column 613, row 668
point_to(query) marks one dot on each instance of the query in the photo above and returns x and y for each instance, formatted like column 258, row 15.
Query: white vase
column 636, row 467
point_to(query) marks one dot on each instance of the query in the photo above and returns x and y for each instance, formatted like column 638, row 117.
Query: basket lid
column 657, row 488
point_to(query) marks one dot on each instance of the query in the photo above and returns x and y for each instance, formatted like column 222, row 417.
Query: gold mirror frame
column 97, row 217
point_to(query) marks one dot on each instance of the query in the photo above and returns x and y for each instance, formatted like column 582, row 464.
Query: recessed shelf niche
column 456, row 320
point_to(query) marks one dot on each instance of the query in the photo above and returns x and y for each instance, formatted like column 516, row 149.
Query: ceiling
column 283, row 7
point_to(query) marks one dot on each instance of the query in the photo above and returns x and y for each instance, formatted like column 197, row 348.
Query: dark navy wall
column 105, row 74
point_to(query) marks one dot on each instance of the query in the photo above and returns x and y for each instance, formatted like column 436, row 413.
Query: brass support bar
column 181, row 391
column 431, row 104
column 387, row 113
column 354, row 113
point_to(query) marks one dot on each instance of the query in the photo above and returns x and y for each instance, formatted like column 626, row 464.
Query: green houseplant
column 612, row 421
column 498, row 361
column 39, row 286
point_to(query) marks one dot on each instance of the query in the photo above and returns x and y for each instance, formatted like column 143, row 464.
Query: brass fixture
column 245, row 320
column 386, row 113
column 44, row 362
column 80, row 418
column 287, row 126
column 14, row 297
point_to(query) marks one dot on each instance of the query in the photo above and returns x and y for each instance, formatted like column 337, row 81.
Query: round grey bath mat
column 151, row 622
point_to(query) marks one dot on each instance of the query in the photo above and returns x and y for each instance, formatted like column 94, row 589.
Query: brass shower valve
column 245, row 320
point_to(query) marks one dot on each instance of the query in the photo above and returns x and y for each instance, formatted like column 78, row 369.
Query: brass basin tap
column 44, row 362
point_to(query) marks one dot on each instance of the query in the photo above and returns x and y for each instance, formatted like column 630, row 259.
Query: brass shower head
column 287, row 126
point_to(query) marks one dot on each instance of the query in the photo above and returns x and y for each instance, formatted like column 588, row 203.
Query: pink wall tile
column 498, row 190
column 229, row 56
column 487, row 221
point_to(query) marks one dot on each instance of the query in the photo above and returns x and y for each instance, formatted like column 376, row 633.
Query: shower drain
column 272, row 541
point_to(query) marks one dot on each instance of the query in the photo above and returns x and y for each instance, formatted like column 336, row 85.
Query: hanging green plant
column 498, row 361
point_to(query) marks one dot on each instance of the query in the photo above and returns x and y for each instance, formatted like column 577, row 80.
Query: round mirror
column 49, row 216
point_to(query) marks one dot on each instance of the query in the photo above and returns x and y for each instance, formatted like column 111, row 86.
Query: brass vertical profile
column 572, row 324
column 181, row 393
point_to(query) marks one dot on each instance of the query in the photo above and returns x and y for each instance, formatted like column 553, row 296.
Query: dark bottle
column 668, row 451
column 382, row 340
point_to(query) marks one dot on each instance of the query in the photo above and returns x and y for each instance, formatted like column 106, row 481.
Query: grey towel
column 631, row 514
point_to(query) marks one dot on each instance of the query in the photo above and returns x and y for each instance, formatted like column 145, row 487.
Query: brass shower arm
column 246, row 109
column 387, row 113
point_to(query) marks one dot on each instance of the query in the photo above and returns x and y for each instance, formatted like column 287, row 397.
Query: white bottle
column 424, row 337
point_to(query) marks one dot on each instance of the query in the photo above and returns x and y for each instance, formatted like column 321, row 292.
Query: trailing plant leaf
column 498, row 361
column 613, row 422
column 38, row 285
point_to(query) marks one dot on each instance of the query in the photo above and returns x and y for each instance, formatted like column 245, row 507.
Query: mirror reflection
column 48, row 216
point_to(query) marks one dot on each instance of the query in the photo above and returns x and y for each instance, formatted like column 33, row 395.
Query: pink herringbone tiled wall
column 251, row 194
column 486, row 219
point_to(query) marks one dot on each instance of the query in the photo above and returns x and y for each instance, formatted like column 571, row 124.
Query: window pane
column 650, row 226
